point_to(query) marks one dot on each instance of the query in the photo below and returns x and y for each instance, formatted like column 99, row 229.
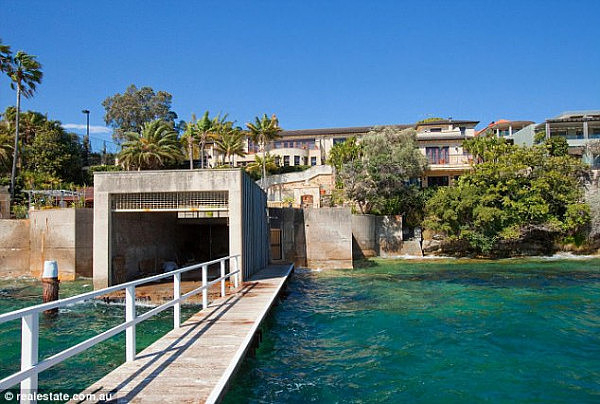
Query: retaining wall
column 328, row 234
column 14, row 248
column 62, row 235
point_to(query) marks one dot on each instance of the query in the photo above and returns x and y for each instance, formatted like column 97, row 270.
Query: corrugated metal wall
column 255, row 249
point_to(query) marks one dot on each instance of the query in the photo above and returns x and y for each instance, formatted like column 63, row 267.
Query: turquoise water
column 74, row 324
column 451, row 331
column 444, row 331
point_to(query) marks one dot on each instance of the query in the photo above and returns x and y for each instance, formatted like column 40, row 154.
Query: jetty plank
column 194, row 364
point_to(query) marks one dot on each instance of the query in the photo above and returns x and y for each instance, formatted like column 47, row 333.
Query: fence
column 30, row 364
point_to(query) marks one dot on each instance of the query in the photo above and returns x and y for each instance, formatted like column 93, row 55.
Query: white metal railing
column 30, row 364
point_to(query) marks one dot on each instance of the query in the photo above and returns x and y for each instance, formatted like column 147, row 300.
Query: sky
column 316, row 64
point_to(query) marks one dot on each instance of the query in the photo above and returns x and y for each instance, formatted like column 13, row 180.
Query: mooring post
column 223, row 278
column 204, row 283
column 50, row 285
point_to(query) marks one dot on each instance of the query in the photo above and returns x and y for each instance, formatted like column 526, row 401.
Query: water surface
column 449, row 331
column 74, row 324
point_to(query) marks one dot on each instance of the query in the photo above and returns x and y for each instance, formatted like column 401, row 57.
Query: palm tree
column 5, row 58
column 229, row 142
column 5, row 150
column 263, row 131
column 25, row 73
column 188, row 137
column 156, row 146
column 207, row 129
column 255, row 168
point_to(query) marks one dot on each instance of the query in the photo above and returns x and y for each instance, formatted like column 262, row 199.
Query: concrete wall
column 14, row 248
column 365, row 236
column 390, row 236
column 293, row 239
column 247, row 210
column 328, row 237
column 315, row 238
column 138, row 238
column 84, row 242
column 63, row 235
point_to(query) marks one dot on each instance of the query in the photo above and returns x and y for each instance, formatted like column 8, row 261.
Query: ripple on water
column 515, row 330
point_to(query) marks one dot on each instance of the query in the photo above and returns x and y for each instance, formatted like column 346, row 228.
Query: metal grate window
column 170, row 201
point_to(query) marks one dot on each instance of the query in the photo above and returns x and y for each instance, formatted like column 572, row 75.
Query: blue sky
column 313, row 63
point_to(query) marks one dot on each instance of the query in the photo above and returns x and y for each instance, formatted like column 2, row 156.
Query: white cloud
column 93, row 128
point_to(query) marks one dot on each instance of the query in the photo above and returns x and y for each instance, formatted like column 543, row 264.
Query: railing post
column 236, row 277
column 30, row 331
column 177, row 295
column 205, row 290
column 130, row 316
column 223, row 277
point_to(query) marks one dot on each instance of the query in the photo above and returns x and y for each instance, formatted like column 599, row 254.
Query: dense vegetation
column 49, row 156
column 513, row 192
column 380, row 174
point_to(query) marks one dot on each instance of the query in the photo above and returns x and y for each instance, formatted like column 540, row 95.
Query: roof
column 447, row 122
column 337, row 131
column 504, row 123
column 570, row 114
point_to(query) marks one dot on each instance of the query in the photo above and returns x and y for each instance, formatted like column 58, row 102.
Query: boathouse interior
column 146, row 241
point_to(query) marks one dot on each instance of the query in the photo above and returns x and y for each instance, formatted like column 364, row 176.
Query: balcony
column 453, row 160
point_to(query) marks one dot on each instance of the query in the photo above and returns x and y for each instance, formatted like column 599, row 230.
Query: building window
column 438, row 155
column 594, row 133
column 286, row 161
column 313, row 161
column 296, row 160
column 437, row 181
column 339, row 140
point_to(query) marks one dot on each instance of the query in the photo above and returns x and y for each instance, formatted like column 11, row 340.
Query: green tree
column 487, row 147
column 519, row 191
column 25, row 73
column 255, row 167
column 230, row 142
column 344, row 152
column 6, row 150
column 390, row 160
column 56, row 153
column 5, row 58
column 188, row 137
column 263, row 131
column 129, row 111
column 557, row 146
column 154, row 147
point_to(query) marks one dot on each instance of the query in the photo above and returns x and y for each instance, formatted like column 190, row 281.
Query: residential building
column 441, row 141
column 517, row 132
column 578, row 128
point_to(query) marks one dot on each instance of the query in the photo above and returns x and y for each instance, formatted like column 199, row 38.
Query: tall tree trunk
column 264, row 166
column 191, row 152
column 16, row 151
column 202, row 145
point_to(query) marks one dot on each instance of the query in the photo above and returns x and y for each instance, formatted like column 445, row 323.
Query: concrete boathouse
column 146, row 218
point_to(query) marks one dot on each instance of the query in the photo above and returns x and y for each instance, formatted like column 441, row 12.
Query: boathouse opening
column 150, row 222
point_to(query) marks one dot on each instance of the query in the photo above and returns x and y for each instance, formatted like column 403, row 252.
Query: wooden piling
column 50, row 285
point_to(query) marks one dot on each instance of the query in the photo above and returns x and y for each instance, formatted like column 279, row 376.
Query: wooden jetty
column 195, row 363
